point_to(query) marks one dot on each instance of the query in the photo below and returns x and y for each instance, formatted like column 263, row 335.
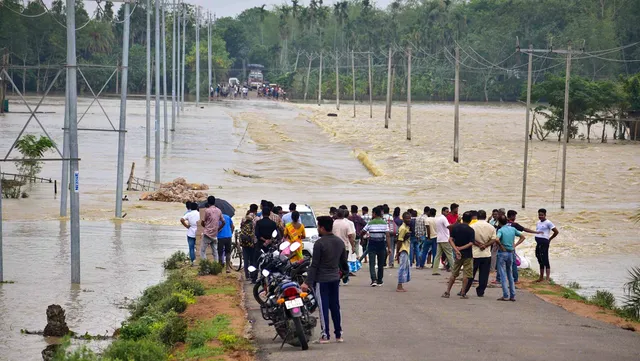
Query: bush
column 141, row 350
column 632, row 295
column 603, row 299
column 176, row 261
column 136, row 329
column 574, row 285
column 173, row 331
column 207, row 267
column 183, row 281
column 175, row 302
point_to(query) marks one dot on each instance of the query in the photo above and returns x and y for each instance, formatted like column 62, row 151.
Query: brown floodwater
column 297, row 154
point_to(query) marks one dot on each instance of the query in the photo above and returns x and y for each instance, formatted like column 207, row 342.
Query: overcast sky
column 232, row 7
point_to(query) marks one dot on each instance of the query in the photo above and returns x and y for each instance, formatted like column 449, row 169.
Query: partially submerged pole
column 337, row 84
column 173, row 68
column 387, row 113
column 526, row 129
column 353, row 77
column 306, row 84
column 123, row 110
column 456, row 116
column 565, row 127
column 409, row 94
column 157, row 95
column 197, row 22
column 320, row 81
column 164, row 74
column 184, row 40
column 148, row 98
column 370, row 89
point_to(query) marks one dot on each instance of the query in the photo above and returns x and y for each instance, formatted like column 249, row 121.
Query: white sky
column 230, row 7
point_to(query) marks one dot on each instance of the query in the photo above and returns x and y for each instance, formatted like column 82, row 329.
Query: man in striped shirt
column 379, row 246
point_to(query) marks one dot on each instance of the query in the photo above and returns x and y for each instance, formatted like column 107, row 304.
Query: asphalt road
column 381, row 324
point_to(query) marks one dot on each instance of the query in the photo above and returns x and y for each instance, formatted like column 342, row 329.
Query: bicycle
column 236, row 252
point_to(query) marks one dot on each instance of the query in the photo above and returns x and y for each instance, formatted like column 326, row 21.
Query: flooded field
column 296, row 153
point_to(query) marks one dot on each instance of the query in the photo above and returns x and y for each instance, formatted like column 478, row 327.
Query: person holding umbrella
column 212, row 223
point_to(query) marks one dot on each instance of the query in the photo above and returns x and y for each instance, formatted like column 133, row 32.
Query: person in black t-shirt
column 461, row 239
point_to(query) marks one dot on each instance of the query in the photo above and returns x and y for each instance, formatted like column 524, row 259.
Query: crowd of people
column 472, row 244
column 274, row 92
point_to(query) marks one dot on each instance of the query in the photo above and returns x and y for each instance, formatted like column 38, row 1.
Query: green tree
column 32, row 148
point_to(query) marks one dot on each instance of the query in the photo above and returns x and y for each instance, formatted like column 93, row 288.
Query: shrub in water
column 207, row 267
column 574, row 285
column 176, row 260
column 603, row 299
column 136, row 329
column 141, row 350
column 174, row 330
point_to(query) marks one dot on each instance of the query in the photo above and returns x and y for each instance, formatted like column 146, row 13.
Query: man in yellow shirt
column 403, row 245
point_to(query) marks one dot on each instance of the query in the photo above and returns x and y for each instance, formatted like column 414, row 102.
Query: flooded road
column 296, row 153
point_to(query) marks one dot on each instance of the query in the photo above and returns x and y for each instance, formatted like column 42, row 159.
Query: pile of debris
column 177, row 191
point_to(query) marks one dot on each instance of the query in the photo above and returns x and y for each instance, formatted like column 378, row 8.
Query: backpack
column 393, row 227
column 247, row 234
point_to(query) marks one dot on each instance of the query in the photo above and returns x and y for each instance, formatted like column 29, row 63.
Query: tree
column 32, row 148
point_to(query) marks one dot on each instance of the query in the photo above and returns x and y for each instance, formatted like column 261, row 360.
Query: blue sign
column 76, row 181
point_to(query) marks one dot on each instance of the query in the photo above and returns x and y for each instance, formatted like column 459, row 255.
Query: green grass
column 547, row 292
column 222, row 290
column 204, row 351
column 572, row 295
column 207, row 330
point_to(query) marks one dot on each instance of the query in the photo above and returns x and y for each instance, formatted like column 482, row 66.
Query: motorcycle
column 287, row 307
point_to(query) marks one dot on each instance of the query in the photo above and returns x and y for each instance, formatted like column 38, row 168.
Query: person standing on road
column 544, row 227
column 212, row 223
column 506, row 237
column 286, row 219
column 345, row 230
column 416, row 245
column 329, row 258
column 392, row 226
column 224, row 242
column 511, row 221
column 359, row 224
column 295, row 232
column 485, row 237
column 248, row 239
column 190, row 222
column 461, row 240
column 403, row 251
column 378, row 247
column 442, row 234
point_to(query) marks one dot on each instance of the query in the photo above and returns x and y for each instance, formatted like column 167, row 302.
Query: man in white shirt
column 546, row 232
column 444, row 247
column 190, row 222
column 344, row 229
column 485, row 237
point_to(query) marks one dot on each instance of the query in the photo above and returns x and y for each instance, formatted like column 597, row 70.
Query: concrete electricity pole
column 565, row 127
column 456, row 114
column 370, row 89
column 184, row 40
column 306, row 84
column 157, row 117
column 74, row 174
column 209, row 55
column 148, row 129
column 409, row 94
column 173, row 68
column 526, row 129
column 320, row 82
column 197, row 22
column 123, row 109
column 353, row 78
column 337, row 83
column 164, row 73
column 387, row 112
column 178, row 75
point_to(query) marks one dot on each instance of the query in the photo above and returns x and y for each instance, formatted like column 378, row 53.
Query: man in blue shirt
column 224, row 242
column 506, row 257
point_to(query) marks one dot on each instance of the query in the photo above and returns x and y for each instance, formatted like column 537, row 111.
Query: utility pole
column 353, row 76
column 526, row 129
column 148, row 130
column 157, row 117
column 320, row 81
column 72, row 104
column 123, row 109
column 370, row 88
column 64, row 186
column 337, row 84
column 409, row 94
column 178, row 75
column 387, row 112
column 295, row 67
column 565, row 127
column 456, row 114
column 164, row 73
column 173, row 68
column 209, row 55
column 184, row 40
column 306, row 84
column 197, row 22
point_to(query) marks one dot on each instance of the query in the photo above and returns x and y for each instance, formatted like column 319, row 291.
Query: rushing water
column 294, row 153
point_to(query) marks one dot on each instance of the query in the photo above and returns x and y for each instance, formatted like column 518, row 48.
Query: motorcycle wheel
column 302, row 337
column 258, row 289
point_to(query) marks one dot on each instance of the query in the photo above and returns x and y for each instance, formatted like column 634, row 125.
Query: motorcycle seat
column 288, row 284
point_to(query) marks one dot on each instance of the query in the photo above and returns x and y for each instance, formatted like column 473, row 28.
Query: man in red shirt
column 453, row 216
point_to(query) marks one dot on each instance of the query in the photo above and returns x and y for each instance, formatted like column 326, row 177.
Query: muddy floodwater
column 295, row 153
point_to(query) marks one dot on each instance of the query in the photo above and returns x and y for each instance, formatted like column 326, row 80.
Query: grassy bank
column 601, row 306
column 186, row 317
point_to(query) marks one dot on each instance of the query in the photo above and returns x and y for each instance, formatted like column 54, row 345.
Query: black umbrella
column 224, row 206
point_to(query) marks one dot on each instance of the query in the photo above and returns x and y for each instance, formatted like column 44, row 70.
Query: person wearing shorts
column 461, row 240
column 544, row 236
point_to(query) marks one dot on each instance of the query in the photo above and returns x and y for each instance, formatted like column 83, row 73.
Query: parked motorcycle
column 285, row 305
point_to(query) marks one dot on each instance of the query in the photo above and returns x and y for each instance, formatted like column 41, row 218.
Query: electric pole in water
column 456, row 114
column 565, row 125
column 409, row 94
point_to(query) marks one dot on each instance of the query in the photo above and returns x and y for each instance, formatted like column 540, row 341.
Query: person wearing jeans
column 224, row 242
column 212, row 223
column 506, row 258
column 378, row 247
column 190, row 222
